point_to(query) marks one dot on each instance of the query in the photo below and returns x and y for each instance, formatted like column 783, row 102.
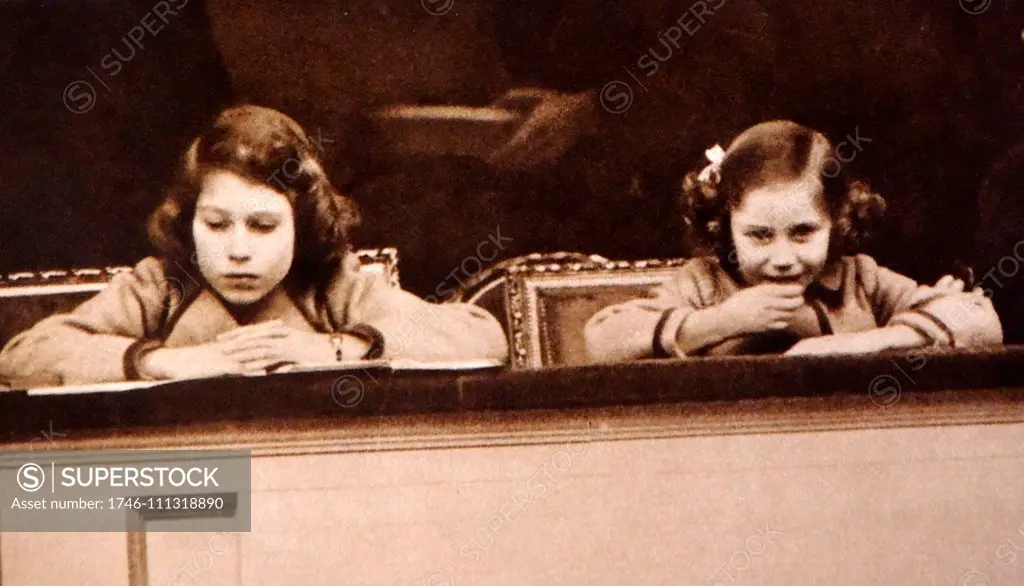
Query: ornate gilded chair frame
column 528, row 286
column 383, row 261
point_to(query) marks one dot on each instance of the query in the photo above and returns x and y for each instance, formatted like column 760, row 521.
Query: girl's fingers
column 243, row 346
column 786, row 303
column 950, row 283
column 256, row 336
column 260, row 365
column 252, row 341
column 779, row 318
column 256, row 354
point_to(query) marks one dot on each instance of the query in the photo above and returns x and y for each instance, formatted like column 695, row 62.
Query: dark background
column 936, row 89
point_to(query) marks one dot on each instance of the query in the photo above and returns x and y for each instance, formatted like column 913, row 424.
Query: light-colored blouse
column 89, row 343
column 853, row 294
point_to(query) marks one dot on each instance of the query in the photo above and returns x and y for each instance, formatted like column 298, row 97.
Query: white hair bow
column 710, row 173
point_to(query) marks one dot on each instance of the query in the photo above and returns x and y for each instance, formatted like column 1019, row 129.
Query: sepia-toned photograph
column 503, row 292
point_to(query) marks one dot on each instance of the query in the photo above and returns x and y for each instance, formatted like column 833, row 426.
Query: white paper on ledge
column 346, row 366
column 117, row 387
column 98, row 387
column 349, row 366
column 480, row 364
column 357, row 365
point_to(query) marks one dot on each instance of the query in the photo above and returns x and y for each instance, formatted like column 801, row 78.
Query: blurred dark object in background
column 912, row 77
column 441, row 131
column 94, row 123
column 999, row 242
column 937, row 90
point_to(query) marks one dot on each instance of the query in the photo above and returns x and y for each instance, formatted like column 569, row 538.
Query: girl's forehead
column 228, row 192
column 783, row 200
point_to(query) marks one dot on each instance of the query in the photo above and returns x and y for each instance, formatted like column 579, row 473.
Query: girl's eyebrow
column 266, row 215
column 807, row 223
column 212, row 208
column 259, row 214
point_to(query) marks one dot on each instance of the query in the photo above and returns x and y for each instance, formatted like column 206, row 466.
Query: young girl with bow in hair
column 785, row 223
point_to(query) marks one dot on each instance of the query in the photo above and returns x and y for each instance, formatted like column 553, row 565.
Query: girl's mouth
column 784, row 280
column 242, row 280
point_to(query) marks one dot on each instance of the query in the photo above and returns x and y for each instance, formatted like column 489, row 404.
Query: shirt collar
column 828, row 286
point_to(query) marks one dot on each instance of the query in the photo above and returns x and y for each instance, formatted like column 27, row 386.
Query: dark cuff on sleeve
column 134, row 354
column 934, row 330
column 659, row 331
column 666, row 333
column 941, row 325
column 371, row 335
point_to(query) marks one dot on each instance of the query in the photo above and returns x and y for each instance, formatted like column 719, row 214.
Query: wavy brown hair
column 270, row 149
column 779, row 152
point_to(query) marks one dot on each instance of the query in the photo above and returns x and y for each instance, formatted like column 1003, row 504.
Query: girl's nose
column 239, row 248
column 783, row 257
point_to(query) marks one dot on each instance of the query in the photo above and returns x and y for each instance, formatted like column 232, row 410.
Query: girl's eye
column 265, row 228
column 760, row 235
column 216, row 226
column 804, row 232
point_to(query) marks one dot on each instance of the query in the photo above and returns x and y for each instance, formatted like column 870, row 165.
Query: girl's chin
column 241, row 298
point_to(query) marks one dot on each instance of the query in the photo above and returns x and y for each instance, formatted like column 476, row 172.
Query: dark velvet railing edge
column 318, row 396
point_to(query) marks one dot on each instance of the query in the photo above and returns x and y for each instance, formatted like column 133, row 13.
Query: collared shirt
column 853, row 294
